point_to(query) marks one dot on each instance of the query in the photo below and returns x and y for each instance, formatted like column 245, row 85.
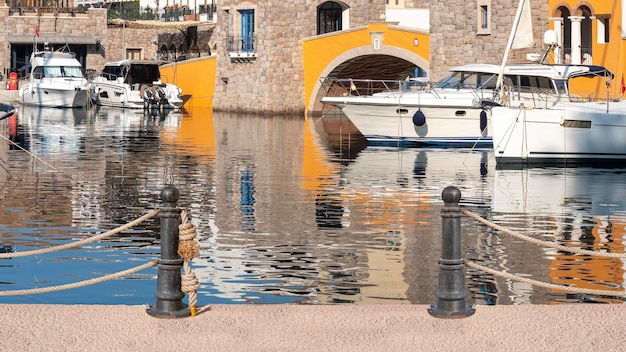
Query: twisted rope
column 544, row 284
column 78, row 284
column 81, row 242
column 545, row 244
column 188, row 249
column 540, row 242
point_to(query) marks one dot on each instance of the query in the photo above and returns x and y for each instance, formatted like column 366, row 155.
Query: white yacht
column 135, row 84
column 55, row 79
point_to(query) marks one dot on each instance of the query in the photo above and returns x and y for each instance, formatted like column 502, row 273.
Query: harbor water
column 289, row 210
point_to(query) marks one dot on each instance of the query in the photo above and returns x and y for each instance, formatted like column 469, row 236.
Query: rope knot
column 188, row 249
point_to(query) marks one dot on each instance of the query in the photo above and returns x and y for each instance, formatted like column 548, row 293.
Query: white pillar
column 576, row 38
column 558, row 28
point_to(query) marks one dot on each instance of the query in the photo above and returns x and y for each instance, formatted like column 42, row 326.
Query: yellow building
column 591, row 32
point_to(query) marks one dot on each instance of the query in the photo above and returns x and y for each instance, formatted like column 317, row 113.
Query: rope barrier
column 544, row 284
column 188, row 248
column 540, row 242
column 545, row 244
column 80, row 283
column 81, row 242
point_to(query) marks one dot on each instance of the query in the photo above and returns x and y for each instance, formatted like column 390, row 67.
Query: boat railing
column 542, row 98
column 365, row 87
column 64, row 81
column 106, row 75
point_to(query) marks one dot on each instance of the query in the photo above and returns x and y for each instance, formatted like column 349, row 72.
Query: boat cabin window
column 529, row 84
column 561, row 86
column 112, row 72
column 470, row 80
column 144, row 73
column 57, row 71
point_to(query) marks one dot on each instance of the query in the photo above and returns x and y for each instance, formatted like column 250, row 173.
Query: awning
column 53, row 39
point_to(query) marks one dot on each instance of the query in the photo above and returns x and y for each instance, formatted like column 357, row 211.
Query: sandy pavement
column 577, row 327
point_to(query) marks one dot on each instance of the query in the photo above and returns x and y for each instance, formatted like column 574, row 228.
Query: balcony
column 586, row 57
column 241, row 48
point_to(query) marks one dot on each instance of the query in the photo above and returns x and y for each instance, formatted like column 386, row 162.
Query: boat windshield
column 58, row 72
column 469, row 80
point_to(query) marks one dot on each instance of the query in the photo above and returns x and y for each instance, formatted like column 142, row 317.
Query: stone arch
column 560, row 8
column 205, row 50
column 171, row 51
column 584, row 8
column 317, row 93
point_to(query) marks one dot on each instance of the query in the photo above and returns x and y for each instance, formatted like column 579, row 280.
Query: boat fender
column 419, row 119
column 483, row 120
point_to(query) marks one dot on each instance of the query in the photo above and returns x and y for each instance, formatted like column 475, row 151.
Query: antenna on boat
column 550, row 39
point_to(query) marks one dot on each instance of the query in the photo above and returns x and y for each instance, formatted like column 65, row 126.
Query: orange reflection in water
column 593, row 272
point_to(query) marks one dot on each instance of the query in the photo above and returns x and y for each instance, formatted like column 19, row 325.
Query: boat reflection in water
column 580, row 207
column 53, row 130
column 283, row 214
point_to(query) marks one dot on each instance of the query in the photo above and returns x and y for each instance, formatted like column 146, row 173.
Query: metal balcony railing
column 241, row 44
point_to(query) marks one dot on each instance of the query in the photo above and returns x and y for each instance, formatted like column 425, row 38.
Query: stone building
column 458, row 37
column 259, row 48
column 95, row 40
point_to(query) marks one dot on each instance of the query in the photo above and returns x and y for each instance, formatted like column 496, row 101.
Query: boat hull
column 568, row 134
column 454, row 124
column 121, row 95
column 55, row 96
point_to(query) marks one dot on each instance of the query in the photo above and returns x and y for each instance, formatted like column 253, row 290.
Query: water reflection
column 288, row 210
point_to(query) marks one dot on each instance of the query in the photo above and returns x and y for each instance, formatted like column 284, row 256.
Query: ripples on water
column 288, row 211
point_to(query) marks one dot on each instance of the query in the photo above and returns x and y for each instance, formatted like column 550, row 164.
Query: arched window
column 566, row 34
column 329, row 17
column 586, row 36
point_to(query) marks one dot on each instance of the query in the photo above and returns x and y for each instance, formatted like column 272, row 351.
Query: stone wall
column 113, row 39
column 453, row 38
column 273, row 81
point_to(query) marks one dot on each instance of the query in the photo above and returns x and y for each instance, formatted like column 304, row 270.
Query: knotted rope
column 188, row 249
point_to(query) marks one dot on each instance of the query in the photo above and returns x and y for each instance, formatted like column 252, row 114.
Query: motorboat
column 571, row 128
column 55, row 79
column 135, row 84
column 453, row 112
column 413, row 111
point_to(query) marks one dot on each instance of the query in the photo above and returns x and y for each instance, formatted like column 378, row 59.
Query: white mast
column 523, row 10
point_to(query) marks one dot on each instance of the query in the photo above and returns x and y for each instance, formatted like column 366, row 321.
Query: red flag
column 37, row 31
column 623, row 85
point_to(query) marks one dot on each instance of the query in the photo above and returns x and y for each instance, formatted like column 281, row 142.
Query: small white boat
column 135, row 84
column 55, row 79
column 6, row 110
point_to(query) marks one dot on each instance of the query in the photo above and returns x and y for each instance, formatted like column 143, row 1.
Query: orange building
column 591, row 32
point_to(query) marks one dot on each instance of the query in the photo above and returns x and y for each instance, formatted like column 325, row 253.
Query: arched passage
column 390, row 64
column 378, row 51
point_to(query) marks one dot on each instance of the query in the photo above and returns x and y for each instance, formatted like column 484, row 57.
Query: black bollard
column 169, row 303
column 451, row 290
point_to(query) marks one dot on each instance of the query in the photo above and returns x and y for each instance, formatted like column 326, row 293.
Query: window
column 133, row 54
column 247, row 30
column 329, row 17
column 603, row 29
column 484, row 17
